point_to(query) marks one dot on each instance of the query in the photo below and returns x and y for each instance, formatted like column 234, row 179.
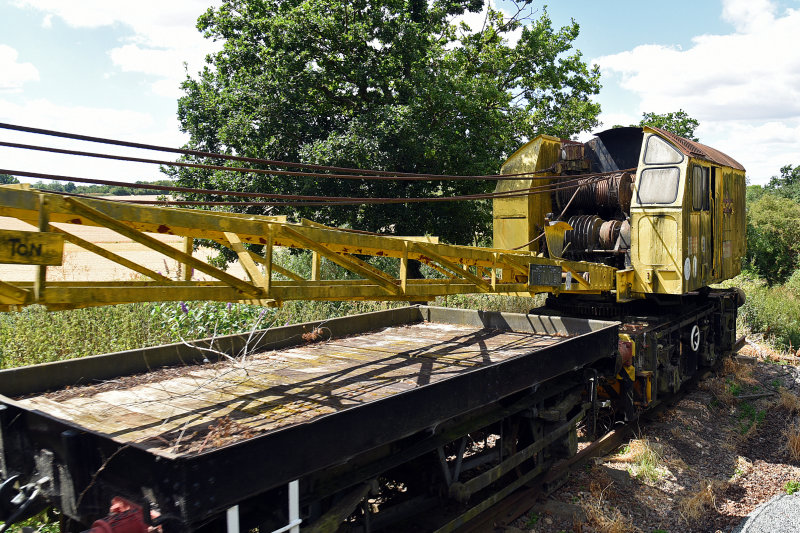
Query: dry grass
column 789, row 401
column 720, row 389
column 740, row 371
column 692, row 507
column 679, row 465
column 792, row 434
column 603, row 519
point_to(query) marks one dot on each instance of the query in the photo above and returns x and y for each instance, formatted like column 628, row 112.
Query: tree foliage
column 787, row 184
column 6, row 179
column 114, row 190
column 773, row 237
column 383, row 84
column 677, row 122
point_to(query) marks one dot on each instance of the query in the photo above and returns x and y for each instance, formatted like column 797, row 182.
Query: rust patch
column 262, row 240
column 163, row 229
column 75, row 221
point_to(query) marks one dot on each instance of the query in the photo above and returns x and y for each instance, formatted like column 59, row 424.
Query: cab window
column 700, row 188
column 658, row 185
column 661, row 152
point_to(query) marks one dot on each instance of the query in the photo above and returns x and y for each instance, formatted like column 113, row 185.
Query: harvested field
column 82, row 265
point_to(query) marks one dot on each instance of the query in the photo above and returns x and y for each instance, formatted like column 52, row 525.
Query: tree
column 773, row 237
column 382, row 84
column 677, row 122
column 787, row 184
column 5, row 179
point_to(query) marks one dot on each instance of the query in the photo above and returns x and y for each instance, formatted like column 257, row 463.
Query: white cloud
column 163, row 34
column 746, row 15
column 15, row 74
column 95, row 121
column 735, row 84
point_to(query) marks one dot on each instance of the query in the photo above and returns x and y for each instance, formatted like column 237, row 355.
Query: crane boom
column 463, row 269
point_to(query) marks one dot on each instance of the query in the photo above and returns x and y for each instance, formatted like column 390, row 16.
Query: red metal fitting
column 125, row 517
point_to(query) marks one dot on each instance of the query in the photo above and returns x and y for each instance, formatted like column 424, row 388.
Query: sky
column 113, row 69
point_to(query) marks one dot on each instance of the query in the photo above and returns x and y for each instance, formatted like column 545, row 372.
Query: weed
column 749, row 418
column 27, row 337
column 645, row 459
column 792, row 486
column 775, row 311
column 734, row 389
column 533, row 519
column 44, row 522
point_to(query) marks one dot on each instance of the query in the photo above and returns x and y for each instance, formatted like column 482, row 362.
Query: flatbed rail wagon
column 197, row 435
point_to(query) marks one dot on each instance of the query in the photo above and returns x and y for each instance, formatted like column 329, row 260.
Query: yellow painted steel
column 694, row 241
column 519, row 220
column 466, row 269
column 678, row 243
column 31, row 247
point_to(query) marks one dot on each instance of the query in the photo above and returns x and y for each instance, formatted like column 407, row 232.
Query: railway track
column 519, row 502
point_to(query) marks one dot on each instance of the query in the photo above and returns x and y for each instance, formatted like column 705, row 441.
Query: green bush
column 773, row 237
column 35, row 335
column 772, row 311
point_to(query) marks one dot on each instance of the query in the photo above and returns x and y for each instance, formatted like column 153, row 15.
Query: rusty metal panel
column 699, row 151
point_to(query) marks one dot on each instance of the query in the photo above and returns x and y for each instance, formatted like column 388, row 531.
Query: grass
column 693, row 506
column 773, row 312
column 645, row 459
column 792, row 435
column 791, row 487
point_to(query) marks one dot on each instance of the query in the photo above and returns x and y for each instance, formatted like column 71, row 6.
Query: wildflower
column 229, row 306
column 184, row 308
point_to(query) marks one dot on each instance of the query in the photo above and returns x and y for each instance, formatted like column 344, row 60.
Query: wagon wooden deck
column 179, row 410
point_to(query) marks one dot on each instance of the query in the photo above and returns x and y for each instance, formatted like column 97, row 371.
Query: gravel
column 781, row 513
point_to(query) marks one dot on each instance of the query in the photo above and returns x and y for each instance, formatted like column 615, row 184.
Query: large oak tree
column 384, row 84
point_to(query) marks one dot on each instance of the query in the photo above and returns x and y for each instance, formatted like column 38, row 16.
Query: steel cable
column 368, row 174
column 320, row 200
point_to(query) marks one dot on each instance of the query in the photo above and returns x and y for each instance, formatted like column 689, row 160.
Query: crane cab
column 687, row 215
column 665, row 212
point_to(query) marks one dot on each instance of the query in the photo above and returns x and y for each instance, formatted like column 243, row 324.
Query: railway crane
column 360, row 423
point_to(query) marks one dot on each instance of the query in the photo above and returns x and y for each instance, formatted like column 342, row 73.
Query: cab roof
column 697, row 150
